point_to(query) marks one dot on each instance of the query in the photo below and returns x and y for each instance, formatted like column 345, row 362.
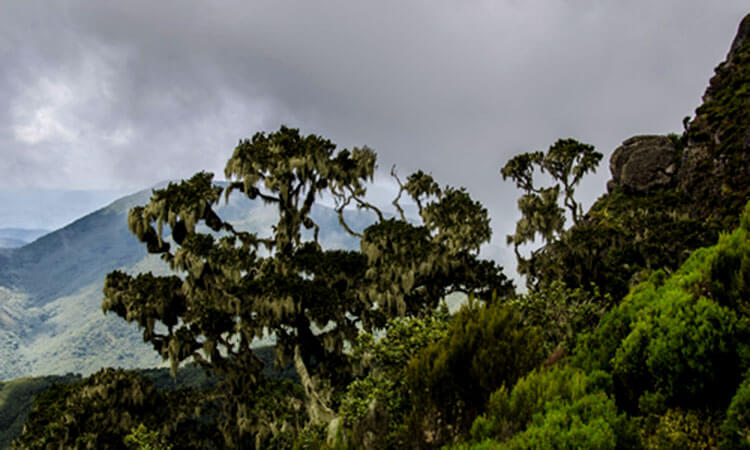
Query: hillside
column 18, row 237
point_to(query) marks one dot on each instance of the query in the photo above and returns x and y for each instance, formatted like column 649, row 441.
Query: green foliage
column 142, row 438
column 588, row 422
column 108, row 406
column 510, row 411
column 729, row 265
column 680, row 339
column 375, row 408
column 622, row 237
column 485, row 347
column 95, row 413
column 558, row 407
column 595, row 349
column 16, row 399
column 684, row 429
column 735, row 430
column 562, row 313
column 566, row 161
column 685, row 348
column 101, row 410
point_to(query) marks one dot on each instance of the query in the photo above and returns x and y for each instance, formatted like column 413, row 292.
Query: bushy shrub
column 682, row 336
column 562, row 313
column 683, row 347
column 590, row 421
column 96, row 413
column 683, row 429
column 735, row 430
column 143, row 438
column 558, row 407
column 374, row 408
column 486, row 347
column 595, row 349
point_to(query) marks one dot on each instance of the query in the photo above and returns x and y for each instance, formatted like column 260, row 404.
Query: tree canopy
column 232, row 287
column 566, row 161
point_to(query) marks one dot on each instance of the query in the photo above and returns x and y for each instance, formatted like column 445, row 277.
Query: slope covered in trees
column 634, row 333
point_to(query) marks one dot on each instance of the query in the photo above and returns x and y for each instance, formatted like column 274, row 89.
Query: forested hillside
column 634, row 331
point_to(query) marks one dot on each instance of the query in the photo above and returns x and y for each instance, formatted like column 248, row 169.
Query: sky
column 118, row 96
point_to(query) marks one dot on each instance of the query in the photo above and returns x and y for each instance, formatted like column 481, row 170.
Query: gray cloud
column 113, row 95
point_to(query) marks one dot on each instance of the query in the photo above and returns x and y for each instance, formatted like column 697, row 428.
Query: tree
column 235, row 286
column 566, row 161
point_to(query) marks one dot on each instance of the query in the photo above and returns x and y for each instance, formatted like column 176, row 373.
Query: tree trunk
column 317, row 407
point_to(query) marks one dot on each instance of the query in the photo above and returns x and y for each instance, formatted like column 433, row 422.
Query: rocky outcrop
column 711, row 167
column 743, row 34
column 715, row 165
column 642, row 164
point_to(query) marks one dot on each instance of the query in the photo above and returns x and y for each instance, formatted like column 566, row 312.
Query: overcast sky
column 122, row 95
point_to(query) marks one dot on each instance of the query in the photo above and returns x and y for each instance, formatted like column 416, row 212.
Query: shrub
column 735, row 430
column 557, row 407
column 683, row 429
column 683, row 336
column 486, row 347
column 374, row 408
column 562, row 313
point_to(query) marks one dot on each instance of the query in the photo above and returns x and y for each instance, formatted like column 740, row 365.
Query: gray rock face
column 642, row 164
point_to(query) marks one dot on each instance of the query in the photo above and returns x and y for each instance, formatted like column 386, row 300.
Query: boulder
column 642, row 164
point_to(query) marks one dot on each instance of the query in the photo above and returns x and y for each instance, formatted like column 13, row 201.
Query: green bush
column 374, row 408
column 509, row 412
column 95, row 413
column 486, row 347
column 590, row 421
column 683, row 429
column 17, row 398
column 683, row 347
column 142, row 438
column 683, row 336
column 562, row 313
column 736, row 427
column 595, row 349
column 558, row 407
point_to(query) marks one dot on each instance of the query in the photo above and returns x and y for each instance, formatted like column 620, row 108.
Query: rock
column 642, row 164
column 743, row 33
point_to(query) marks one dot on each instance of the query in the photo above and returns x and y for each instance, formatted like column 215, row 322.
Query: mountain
column 18, row 237
column 48, row 209
column 51, row 320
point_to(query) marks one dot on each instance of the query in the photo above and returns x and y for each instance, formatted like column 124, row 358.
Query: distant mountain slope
column 11, row 243
column 50, row 209
column 18, row 237
column 50, row 290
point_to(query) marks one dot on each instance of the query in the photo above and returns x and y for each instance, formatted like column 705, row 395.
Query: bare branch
column 401, row 189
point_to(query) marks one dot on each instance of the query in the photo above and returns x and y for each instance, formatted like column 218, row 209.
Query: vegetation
column 566, row 161
column 16, row 400
column 634, row 333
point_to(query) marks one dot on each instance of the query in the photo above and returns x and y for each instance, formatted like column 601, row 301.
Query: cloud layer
column 121, row 95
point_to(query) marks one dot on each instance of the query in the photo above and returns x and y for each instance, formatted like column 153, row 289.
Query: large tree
column 232, row 287
column 566, row 161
